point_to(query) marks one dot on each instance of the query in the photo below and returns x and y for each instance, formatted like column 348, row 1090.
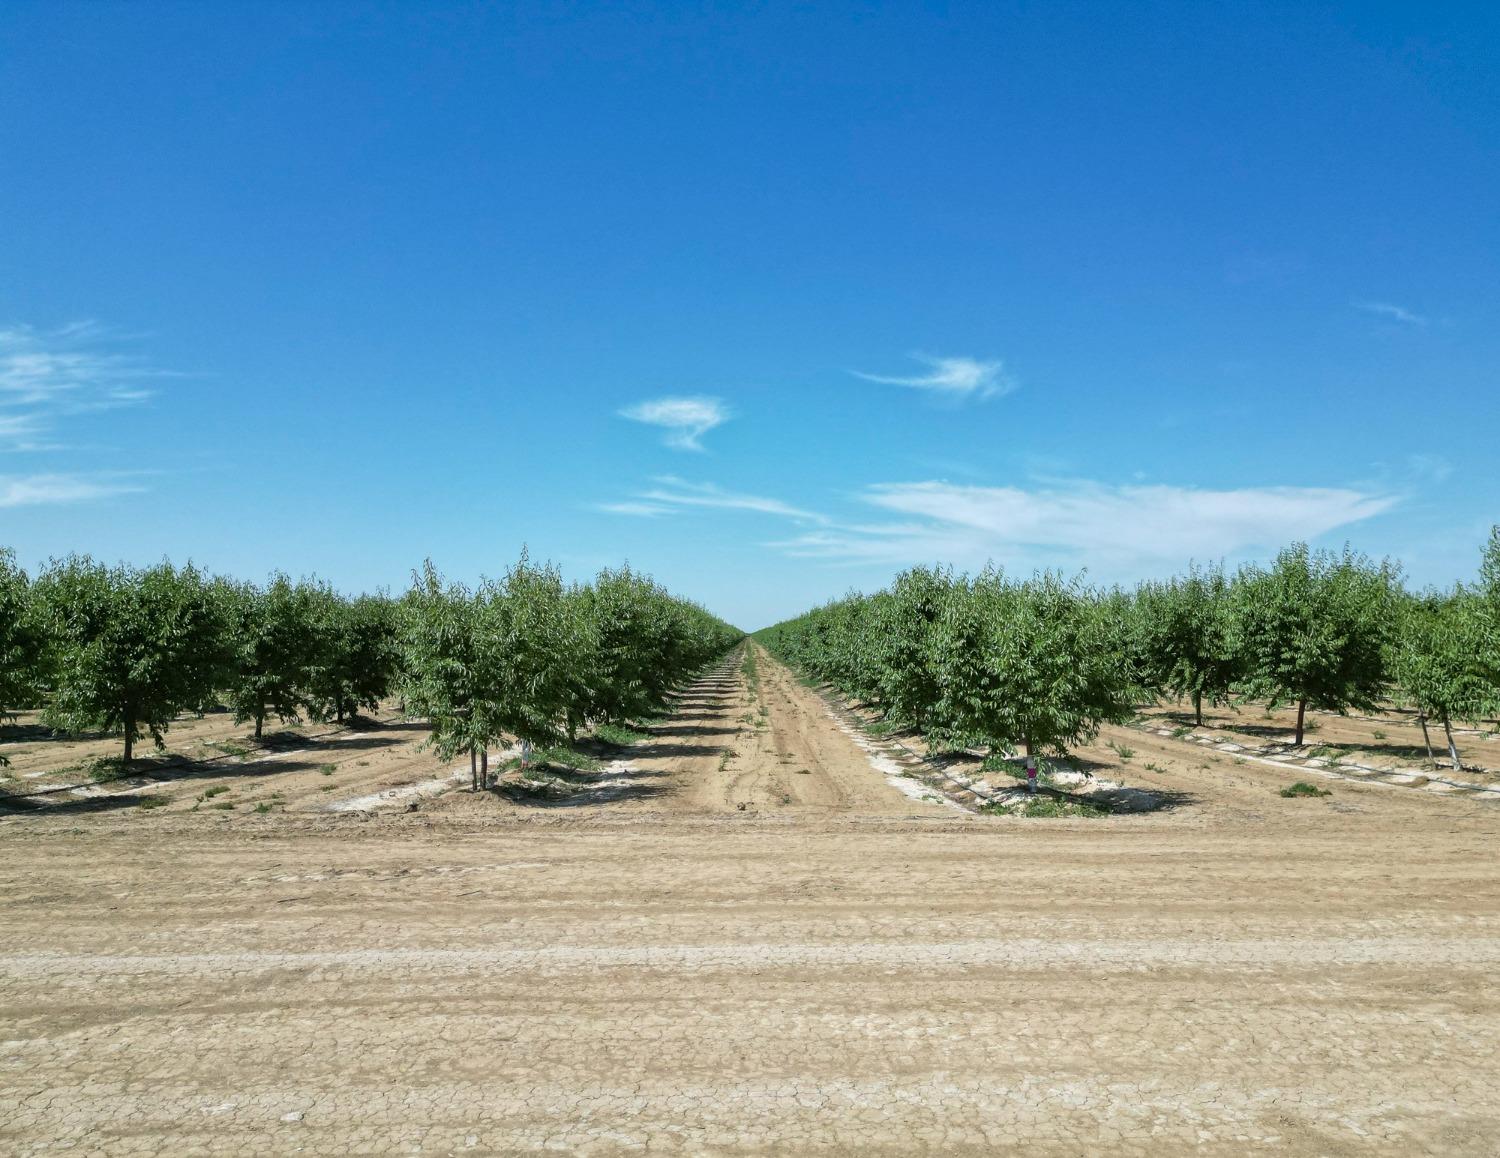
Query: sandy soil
column 834, row 967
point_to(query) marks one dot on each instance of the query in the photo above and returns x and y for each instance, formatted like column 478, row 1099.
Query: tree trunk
column 129, row 740
column 1452, row 747
column 484, row 768
column 1198, row 708
column 1426, row 738
column 473, row 770
column 260, row 719
column 1301, row 720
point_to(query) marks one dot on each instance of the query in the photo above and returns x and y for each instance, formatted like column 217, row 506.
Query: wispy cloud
column 673, row 495
column 634, row 510
column 686, row 420
column 1394, row 312
column 954, row 377
column 47, row 375
column 47, row 489
column 1115, row 528
column 1429, row 467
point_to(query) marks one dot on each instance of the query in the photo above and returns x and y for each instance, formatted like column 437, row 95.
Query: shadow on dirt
column 694, row 730
column 555, row 786
column 164, row 772
column 78, row 805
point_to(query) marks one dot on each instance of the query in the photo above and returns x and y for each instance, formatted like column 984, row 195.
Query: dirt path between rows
column 780, row 750
column 834, row 968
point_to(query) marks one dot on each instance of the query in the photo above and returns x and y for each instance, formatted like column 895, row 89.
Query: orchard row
column 126, row 651
column 1039, row 664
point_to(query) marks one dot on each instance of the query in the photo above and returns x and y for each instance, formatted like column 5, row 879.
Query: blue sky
column 771, row 302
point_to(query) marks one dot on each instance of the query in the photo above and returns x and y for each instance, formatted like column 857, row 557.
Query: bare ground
column 833, row 967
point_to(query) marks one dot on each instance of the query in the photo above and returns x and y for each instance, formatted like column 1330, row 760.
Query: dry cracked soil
column 741, row 938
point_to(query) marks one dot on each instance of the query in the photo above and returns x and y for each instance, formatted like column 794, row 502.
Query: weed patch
column 1302, row 788
column 619, row 735
column 105, row 769
column 563, row 757
column 1048, row 807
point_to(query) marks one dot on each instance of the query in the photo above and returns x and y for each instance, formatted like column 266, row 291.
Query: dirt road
column 836, row 967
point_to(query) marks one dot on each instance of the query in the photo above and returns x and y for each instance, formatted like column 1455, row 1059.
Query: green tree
column 530, row 658
column 1487, row 610
column 443, row 664
column 133, row 648
column 1313, row 630
column 631, row 647
column 1185, row 633
column 356, row 657
column 1434, row 663
column 22, row 649
column 532, row 641
column 272, row 634
column 1032, row 665
column 638, row 640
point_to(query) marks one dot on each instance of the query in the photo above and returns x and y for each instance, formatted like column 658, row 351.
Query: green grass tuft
column 564, row 757
column 1302, row 788
column 105, row 769
column 619, row 735
column 1049, row 808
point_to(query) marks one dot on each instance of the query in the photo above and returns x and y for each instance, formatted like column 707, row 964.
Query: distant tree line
column 126, row 651
column 1037, row 665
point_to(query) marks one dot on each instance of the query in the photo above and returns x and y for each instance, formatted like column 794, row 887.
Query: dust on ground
column 836, row 966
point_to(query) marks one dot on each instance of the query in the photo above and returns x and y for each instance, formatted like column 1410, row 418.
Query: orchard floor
column 745, row 939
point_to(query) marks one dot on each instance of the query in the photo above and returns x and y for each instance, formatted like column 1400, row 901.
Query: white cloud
column 686, row 420
column 955, row 377
column 671, row 496
column 1114, row 529
column 49, row 374
column 1429, row 467
column 1394, row 312
column 635, row 510
column 20, row 431
column 45, row 489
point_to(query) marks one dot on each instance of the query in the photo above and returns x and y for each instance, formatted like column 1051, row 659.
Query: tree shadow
column 647, row 751
column 576, row 788
column 168, row 770
column 1121, row 802
column 41, row 734
column 694, row 730
column 78, row 805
